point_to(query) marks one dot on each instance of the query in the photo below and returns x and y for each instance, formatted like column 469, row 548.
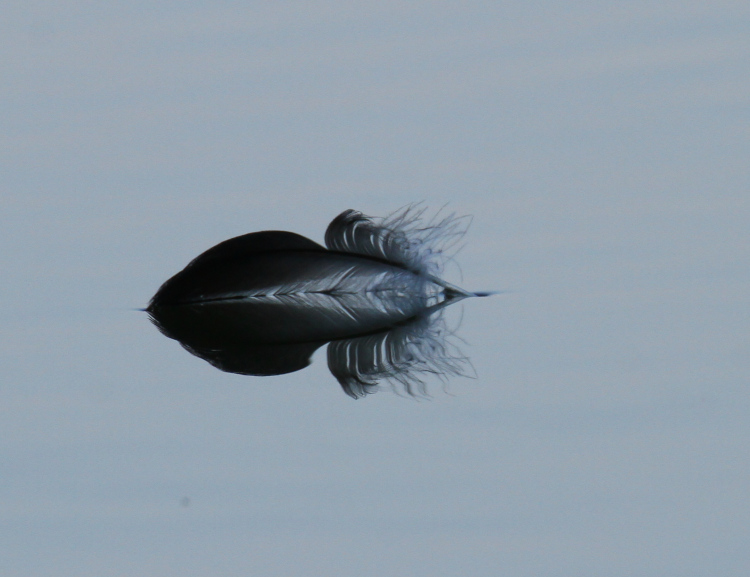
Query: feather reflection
column 263, row 303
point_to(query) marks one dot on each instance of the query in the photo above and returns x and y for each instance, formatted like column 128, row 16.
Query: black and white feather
column 263, row 302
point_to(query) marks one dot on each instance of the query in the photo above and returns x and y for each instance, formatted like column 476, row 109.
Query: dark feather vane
column 263, row 302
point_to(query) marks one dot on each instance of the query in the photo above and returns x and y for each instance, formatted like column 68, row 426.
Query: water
column 603, row 155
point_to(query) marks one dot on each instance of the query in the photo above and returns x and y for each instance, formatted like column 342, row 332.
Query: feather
column 401, row 239
column 371, row 288
column 403, row 357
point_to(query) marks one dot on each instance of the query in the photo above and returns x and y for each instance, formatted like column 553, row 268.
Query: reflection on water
column 263, row 303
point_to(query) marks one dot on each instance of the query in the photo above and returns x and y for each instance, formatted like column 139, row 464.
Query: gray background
column 602, row 148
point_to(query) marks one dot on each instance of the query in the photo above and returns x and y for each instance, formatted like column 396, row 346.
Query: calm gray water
column 603, row 152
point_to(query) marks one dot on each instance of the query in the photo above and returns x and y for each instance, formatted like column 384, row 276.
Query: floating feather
column 262, row 303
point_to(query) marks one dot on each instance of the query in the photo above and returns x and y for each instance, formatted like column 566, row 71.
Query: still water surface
column 603, row 156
